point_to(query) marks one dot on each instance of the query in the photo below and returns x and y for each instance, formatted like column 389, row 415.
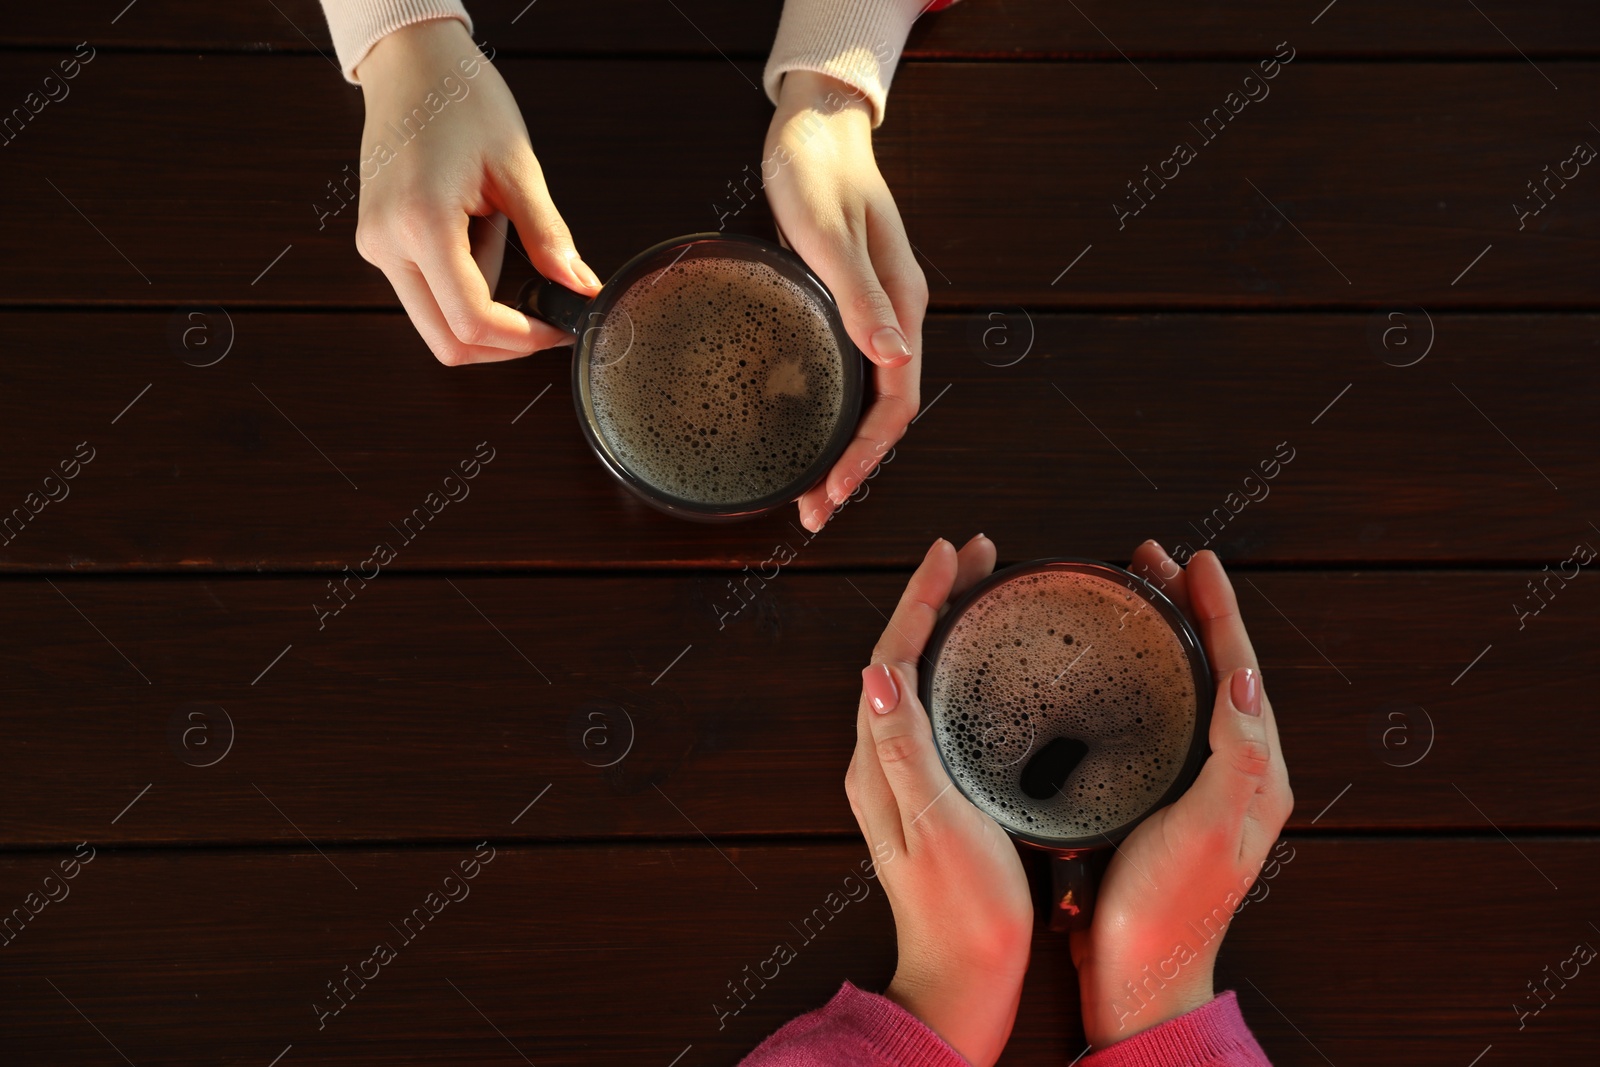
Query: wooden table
column 268, row 791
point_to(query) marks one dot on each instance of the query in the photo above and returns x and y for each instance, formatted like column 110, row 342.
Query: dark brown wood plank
column 243, row 465
column 606, row 955
column 430, row 707
column 1352, row 183
column 1098, row 29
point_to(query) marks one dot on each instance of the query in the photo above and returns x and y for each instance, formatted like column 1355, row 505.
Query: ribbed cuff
column 357, row 25
column 1214, row 1033
column 857, row 41
column 886, row 1028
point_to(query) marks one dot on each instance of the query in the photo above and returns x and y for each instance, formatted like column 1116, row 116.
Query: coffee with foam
column 717, row 381
column 1064, row 704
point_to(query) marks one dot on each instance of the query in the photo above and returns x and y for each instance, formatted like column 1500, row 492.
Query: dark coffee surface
column 717, row 380
column 1054, row 656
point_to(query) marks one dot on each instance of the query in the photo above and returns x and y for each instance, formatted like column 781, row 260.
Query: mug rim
column 1183, row 629
column 853, row 371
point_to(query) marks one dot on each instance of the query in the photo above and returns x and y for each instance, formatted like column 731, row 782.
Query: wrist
column 399, row 51
column 1116, row 1007
column 971, row 1009
column 808, row 91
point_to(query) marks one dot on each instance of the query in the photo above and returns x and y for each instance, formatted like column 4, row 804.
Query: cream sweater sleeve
column 856, row 41
column 357, row 25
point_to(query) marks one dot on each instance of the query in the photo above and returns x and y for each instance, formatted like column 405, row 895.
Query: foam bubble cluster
column 717, row 380
column 1061, row 654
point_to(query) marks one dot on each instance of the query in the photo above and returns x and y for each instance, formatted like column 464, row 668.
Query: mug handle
column 551, row 302
column 1073, row 879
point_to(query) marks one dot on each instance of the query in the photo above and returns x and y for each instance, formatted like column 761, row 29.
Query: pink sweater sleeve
column 865, row 1029
column 857, row 1028
column 1213, row 1035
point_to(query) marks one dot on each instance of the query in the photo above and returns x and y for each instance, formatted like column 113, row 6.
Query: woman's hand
column 1173, row 885
column 833, row 208
column 962, row 910
column 445, row 158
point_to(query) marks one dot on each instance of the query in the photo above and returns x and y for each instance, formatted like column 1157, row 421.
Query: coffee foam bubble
column 1060, row 654
column 717, row 380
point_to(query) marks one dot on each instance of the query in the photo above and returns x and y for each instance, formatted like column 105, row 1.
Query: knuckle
column 1252, row 758
column 412, row 221
column 556, row 234
column 554, row 237
column 1285, row 802
column 872, row 302
column 450, row 355
column 468, row 327
column 368, row 242
column 897, row 748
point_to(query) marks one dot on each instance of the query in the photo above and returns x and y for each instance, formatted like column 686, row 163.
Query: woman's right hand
column 445, row 158
column 1174, row 883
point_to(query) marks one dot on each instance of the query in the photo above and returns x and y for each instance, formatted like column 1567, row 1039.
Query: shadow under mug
column 1076, row 864
column 587, row 318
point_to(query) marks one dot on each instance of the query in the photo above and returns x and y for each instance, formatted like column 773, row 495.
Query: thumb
column 1240, row 764
column 545, row 237
column 868, row 313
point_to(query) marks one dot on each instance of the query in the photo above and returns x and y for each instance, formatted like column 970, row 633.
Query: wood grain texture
column 317, row 432
column 604, row 955
column 648, row 721
column 433, row 707
column 1099, row 29
column 162, row 180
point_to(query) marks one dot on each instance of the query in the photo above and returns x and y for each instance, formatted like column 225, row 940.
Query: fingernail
column 937, row 541
column 1246, row 691
column 889, row 345
column 882, row 693
column 1158, row 547
column 587, row 276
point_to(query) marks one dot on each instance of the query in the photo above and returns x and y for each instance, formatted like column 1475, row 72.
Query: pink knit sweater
column 869, row 1030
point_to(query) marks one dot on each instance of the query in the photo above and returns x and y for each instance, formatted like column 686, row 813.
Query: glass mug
column 606, row 334
column 1068, row 750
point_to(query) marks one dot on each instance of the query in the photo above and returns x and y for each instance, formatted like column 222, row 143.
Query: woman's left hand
column 963, row 912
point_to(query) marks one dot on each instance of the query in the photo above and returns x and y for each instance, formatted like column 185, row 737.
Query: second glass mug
column 1076, row 864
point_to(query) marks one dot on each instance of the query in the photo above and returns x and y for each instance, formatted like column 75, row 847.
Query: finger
column 1216, row 607
column 544, row 334
column 902, row 740
column 417, row 299
column 521, row 193
column 1152, row 563
column 974, row 563
column 1216, row 612
column 1232, row 795
column 487, row 235
column 846, row 268
column 815, row 508
column 879, row 817
column 884, row 423
column 912, row 622
column 442, row 250
column 898, row 271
